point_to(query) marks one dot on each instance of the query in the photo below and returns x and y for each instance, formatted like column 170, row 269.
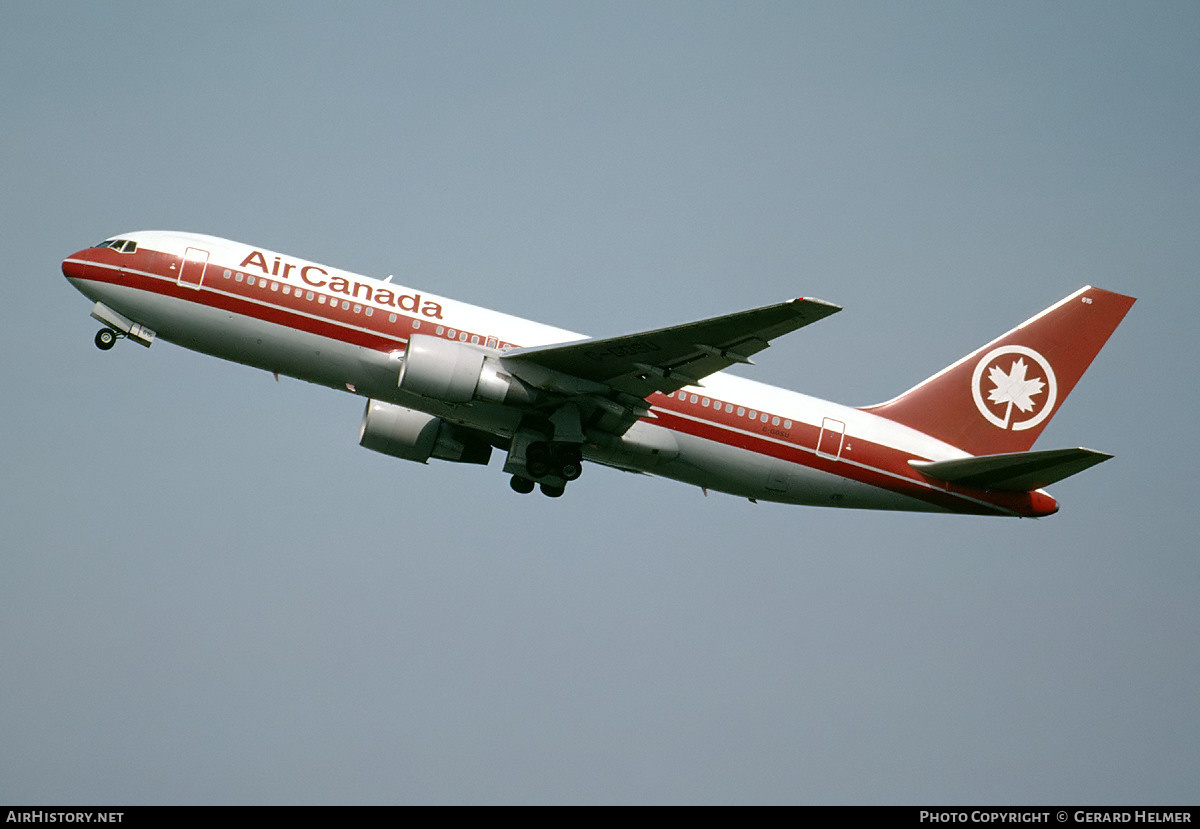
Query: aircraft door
column 833, row 436
column 192, row 267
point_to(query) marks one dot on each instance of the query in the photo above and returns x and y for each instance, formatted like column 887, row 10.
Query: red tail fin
column 999, row 398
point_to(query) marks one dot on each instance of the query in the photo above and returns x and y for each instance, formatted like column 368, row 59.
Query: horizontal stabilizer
column 1016, row 471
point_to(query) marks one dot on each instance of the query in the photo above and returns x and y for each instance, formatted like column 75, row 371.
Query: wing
column 667, row 359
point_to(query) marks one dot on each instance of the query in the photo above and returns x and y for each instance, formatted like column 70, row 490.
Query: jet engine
column 416, row 436
column 455, row 372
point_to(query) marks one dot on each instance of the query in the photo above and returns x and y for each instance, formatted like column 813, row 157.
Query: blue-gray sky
column 212, row 595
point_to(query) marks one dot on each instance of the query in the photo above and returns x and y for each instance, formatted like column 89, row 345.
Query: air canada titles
column 382, row 293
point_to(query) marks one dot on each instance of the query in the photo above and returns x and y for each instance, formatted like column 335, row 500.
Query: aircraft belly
column 253, row 342
column 814, row 487
column 749, row 474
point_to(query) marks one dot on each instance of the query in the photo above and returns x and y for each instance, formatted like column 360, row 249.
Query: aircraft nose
column 74, row 266
column 77, row 268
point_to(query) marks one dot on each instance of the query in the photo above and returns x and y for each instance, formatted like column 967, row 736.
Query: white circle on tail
column 1014, row 390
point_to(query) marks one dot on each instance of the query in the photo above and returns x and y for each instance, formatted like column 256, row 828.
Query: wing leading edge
column 667, row 359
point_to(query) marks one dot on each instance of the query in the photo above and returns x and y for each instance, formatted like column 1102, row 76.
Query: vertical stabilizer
column 1000, row 397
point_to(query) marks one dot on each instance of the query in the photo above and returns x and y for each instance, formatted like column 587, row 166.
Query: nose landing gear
column 106, row 338
column 118, row 327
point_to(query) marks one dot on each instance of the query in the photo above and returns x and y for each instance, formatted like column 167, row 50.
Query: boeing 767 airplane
column 452, row 381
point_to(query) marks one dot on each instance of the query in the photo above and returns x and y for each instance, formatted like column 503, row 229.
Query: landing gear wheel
column 521, row 485
column 568, row 462
column 551, row 491
column 106, row 338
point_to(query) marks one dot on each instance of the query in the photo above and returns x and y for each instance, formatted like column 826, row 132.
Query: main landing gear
column 525, row 486
column 550, row 465
column 563, row 460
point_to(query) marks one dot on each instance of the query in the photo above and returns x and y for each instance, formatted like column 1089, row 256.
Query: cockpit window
column 120, row 245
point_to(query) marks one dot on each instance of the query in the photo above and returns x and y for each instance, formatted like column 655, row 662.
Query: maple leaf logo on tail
column 1015, row 388
column 1012, row 388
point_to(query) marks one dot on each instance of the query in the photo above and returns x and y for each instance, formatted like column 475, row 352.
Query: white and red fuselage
column 352, row 332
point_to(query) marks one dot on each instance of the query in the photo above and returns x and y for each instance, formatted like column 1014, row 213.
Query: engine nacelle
column 455, row 372
column 416, row 436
